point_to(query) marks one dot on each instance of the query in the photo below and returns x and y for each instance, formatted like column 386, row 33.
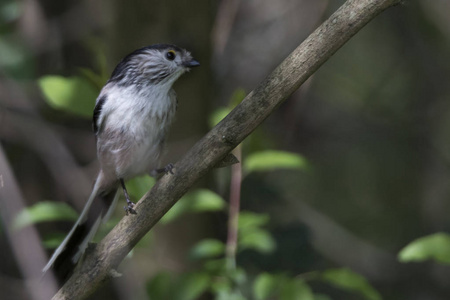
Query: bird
column 131, row 119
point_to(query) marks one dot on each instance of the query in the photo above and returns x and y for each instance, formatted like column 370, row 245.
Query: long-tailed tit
column 131, row 118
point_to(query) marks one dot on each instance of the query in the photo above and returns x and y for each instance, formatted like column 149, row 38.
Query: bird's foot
column 168, row 169
column 129, row 208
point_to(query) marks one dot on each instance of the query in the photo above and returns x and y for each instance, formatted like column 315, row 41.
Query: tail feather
column 96, row 211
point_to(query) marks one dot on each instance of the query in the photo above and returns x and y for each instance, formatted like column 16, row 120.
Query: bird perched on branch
column 131, row 118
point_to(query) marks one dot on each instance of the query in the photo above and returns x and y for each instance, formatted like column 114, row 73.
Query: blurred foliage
column 280, row 286
column 74, row 94
column 196, row 201
column 372, row 127
column 435, row 247
column 207, row 248
column 44, row 211
column 351, row 281
column 272, row 160
column 251, row 234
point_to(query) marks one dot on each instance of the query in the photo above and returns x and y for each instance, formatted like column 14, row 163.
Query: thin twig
column 234, row 206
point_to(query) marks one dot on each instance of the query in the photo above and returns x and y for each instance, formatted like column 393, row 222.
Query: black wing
column 97, row 111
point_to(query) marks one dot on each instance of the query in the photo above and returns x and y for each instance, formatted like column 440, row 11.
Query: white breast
column 134, row 127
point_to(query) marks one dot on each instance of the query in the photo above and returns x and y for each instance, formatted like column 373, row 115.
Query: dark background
column 373, row 122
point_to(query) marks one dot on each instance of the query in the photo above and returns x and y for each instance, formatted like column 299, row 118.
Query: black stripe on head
column 120, row 72
column 97, row 111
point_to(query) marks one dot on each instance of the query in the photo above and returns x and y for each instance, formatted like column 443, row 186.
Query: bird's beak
column 192, row 63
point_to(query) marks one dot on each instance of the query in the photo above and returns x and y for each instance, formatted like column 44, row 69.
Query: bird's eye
column 170, row 55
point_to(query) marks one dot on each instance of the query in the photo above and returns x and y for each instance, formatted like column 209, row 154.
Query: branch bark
column 101, row 262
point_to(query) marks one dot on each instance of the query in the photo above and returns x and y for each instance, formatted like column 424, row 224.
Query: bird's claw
column 168, row 169
column 129, row 208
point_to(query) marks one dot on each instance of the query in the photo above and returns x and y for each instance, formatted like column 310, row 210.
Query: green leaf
column 263, row 286
column 257, row 239
column 351, row 281
column 200, row 200
column 192, row 286
column 207, row 248
column 205, row 200
column 296, row 289
column 435, row 246
column 43, row 212
column 251, row 235
column 271, row 160
column 72, row 94
column 250, row 220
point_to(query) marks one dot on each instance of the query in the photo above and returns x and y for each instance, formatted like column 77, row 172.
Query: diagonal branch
column 101, row 262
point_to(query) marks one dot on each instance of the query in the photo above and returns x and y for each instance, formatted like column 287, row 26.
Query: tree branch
column 101, row 262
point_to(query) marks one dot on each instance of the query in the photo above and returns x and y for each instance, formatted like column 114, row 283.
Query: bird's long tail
column 96, row 211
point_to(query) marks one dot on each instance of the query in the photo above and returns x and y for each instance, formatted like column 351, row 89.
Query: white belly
column 132, row 136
